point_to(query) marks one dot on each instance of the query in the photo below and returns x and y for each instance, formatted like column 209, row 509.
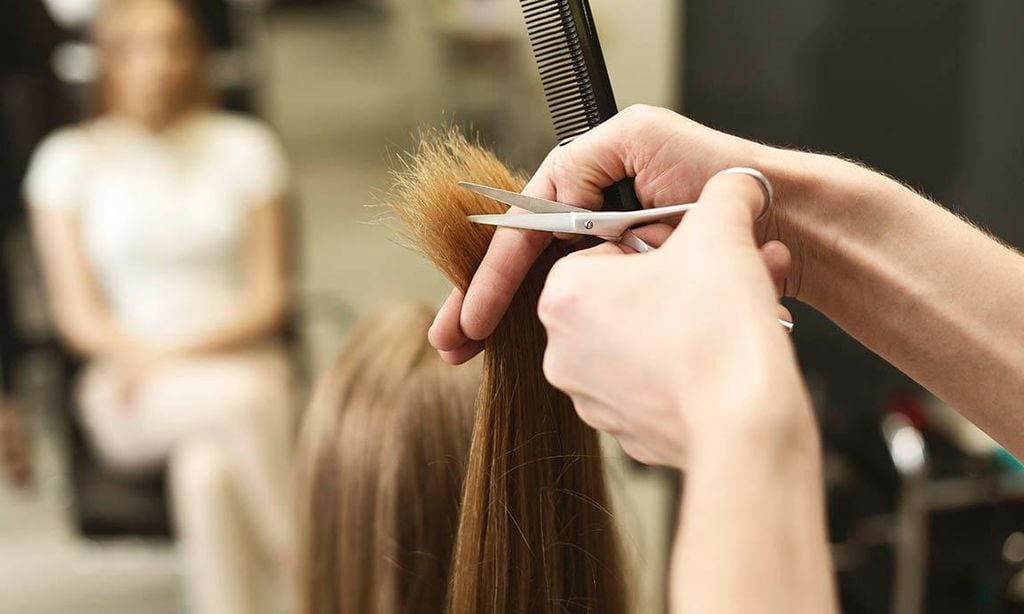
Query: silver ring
column 766, row 186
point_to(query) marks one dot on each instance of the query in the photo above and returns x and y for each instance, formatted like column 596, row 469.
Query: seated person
column 159, row 226
column 382, row 459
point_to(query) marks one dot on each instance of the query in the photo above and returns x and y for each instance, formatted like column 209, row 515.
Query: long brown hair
column 382, row 460
column 535, row 533
column 106, row 30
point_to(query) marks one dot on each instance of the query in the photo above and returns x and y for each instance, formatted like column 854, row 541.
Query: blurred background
column 926, row 513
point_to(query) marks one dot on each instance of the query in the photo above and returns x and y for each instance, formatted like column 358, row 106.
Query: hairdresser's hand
column 670, row 157
column 678, row 351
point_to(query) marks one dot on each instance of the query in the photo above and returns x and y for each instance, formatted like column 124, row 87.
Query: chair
column 106, row 504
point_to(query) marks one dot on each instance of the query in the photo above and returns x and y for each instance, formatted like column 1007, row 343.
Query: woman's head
column 381, row 469
column 153, row 60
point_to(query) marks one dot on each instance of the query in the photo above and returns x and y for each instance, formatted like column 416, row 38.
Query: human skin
column 704, row 379
column 924, row 289
column 927, row 291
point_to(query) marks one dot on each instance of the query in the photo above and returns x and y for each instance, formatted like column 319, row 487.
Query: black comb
column 574, row 76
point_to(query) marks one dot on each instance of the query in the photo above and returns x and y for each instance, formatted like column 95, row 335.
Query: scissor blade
column 514, row 199
column 550, row 222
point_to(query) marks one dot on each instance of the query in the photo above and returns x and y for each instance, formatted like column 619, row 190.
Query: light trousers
column 224, row 425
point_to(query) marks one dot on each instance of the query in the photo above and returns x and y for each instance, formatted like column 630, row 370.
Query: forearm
column 933, row 295
column 752, row 532
column 260, row 320
column 93, row 335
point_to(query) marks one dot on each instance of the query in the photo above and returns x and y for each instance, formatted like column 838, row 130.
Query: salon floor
column 339, row 96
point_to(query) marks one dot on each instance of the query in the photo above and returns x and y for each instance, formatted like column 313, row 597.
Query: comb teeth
column 568, row 86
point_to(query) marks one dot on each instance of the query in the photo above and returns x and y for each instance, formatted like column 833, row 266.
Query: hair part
column 535, row 532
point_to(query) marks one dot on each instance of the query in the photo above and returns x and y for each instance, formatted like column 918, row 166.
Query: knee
column 198, row 472
column 255, row 390
column 255, row 404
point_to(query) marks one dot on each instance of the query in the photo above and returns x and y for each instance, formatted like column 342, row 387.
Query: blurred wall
column 642, row 43
column 929, row 91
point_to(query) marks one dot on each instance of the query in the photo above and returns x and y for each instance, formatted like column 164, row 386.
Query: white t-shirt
column 163, row 216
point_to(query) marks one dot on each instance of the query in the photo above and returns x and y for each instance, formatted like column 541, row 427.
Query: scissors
column 552, row 216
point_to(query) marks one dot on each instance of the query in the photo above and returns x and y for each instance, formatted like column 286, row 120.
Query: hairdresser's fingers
column 654, row 234
column 778, row 259
column 730, row 203
column 785, row 315
column 776, row 256
column 639, row 450
column 508, row 259
column 445, row 334
column 577, row 173
column 637, row 143
column 463, row 353
column 562, row 375
column 543, row 184
column 511, row 254
column 583, row 169
column 488, row 300
column 594, row 413
column 607, row 248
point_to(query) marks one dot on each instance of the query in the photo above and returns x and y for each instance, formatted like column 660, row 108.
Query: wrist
column 774, row 556
column 820, row 203
column 776, row 428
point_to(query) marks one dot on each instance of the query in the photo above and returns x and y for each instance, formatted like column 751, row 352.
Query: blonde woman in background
column 159, row 226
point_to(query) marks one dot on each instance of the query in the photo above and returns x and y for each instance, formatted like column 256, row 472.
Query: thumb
column 727, row 209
